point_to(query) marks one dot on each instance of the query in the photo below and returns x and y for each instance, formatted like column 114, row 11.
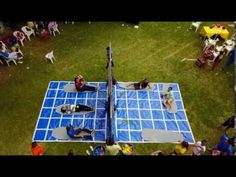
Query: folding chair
column 196, row 25
column 8, row 57
column 28, row 31
column 52, row 28
column 50, row 56
column 19, row 36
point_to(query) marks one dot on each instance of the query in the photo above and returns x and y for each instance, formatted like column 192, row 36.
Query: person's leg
column 84, row 108
column 169, row 103
column 87, row 88
column 87, row 130
column 136, row 86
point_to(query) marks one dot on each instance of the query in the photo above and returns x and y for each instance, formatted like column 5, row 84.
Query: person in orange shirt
column 37, row 149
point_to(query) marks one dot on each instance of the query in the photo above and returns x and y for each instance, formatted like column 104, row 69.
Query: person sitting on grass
column 168, row 98
column 79, row 132
column 37, row 149
column 112, row 148
column 81, row 86
column 69, row 109
column 199, row 148
column 140, row 85
column 181, row 148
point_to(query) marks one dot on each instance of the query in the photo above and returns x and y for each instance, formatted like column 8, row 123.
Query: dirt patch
column 4, row 74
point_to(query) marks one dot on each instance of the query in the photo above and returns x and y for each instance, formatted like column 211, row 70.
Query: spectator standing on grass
column 37, row 149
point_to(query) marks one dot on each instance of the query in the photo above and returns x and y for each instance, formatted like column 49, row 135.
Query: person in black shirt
column 140, row 85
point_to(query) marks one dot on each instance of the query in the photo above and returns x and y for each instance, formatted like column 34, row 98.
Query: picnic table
column 209, row 32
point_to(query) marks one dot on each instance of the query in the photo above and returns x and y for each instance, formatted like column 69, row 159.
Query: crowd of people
column 225, row 145
column 213, row 53
column 10, row 48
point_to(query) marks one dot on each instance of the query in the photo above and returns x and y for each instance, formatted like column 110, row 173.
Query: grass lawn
column 154, row 51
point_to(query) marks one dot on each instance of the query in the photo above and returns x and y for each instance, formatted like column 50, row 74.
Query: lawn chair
column 210, row 42
column 13, row 56
column 19, row 36
column 3, row 46
column 229, row 46
column 196, row 25
column 52, row 28
column 50, row 56
column 28, row 31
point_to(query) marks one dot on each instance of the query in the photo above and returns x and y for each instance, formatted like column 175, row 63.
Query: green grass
column 153, row 51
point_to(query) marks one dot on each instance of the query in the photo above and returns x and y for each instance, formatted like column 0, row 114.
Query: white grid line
column 35, row 128
column 65, row 103
column 145, row 109
column 115, row 116
column 126, row 96
column 141, row 130
column 140, row 121
column 49, row 120
column 191, row 132
column 95, row 115
column 150, row 109
column 162, row 106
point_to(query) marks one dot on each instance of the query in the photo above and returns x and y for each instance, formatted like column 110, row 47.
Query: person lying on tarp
column 79, row 132
column 81, row 86
column 168, row 98
column 68, row 109
column 141, row 85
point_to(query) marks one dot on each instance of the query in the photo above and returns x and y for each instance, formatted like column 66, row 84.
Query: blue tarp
column 135, row 110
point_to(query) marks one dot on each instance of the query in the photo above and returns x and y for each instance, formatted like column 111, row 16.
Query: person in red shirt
column 37, row 149
column 81, row 86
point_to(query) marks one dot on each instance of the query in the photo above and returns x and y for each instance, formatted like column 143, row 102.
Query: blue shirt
column 71, row 133
column 224, row 146
column 4, row 54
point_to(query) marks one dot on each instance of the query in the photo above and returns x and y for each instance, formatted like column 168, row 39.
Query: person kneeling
column 79, row 132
